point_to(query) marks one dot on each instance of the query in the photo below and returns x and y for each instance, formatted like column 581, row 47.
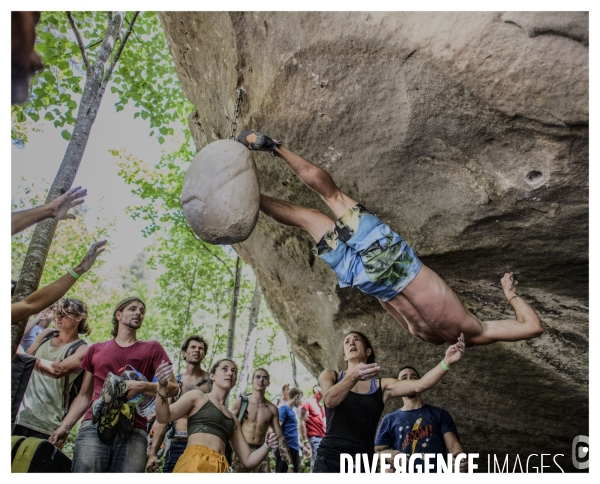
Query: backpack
column 69, row 392
column 243, row 413
column 35, row 455
column 21, row 369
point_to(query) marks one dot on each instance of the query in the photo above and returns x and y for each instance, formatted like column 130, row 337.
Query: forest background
column 133, row 167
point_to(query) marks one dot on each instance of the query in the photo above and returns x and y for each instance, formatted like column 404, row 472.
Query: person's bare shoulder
column 272, row 408
column 327, row 375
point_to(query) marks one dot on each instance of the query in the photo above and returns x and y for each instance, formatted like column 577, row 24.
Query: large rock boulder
column 465, row 132
column 220, row 196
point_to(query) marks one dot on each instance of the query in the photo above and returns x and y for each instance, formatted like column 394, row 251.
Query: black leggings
column 327, row 464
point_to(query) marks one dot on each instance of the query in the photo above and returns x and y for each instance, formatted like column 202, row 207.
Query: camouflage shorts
column 238, row 467
column 365, row 253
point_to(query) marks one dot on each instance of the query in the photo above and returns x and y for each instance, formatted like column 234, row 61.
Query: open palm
column 89, row 258
column 67, row 201
column 456, row 351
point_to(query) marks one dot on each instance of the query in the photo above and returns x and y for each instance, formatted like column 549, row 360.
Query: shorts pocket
column 380, row 257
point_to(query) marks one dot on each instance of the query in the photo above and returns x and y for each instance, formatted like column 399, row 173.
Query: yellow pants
column 198, row 458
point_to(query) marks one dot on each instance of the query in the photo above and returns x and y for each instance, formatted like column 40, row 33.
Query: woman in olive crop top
column 354, row 399
column 210, row 424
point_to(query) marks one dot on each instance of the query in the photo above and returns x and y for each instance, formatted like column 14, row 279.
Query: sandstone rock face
column 220, row 196
column 468, row 134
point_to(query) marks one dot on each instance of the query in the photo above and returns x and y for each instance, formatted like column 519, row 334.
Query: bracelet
column 163, row 398
column 266, row 446
column 74, row 274
column 444, row 366
column 516, row 295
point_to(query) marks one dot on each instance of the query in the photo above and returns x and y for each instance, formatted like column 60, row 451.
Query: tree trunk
column 250, row 341
column 187, row 313
column 234, row 305
column 293, row 360
column 33, row 266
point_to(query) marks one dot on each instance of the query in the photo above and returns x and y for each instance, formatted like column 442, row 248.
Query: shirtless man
column 260, row 415
column 194, row 377
column 365, row 253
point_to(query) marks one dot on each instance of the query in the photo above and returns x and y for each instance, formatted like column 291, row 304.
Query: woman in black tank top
column 210, row 424
column 354, row 399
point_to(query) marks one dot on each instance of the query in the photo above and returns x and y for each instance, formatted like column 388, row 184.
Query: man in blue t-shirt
column 289, row 425
column 418, row 428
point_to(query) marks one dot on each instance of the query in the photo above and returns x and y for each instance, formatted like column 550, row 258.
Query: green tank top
column 210, row 420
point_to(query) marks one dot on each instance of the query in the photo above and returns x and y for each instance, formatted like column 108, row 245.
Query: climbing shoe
column 112, row 396
column 126, row 420
column 261, row 143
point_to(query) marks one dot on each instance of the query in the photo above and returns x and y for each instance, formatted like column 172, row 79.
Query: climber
column 365, row 253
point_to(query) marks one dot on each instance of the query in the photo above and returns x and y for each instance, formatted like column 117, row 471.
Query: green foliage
column 70, row 442
column 144, row 74
column 55, row 89
column 71, row 242
column 196, row 280
column 194, row 286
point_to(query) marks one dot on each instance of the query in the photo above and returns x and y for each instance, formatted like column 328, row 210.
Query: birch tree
column 86, row 48
column 97, row 75
column 250, row 346
column 234, row 306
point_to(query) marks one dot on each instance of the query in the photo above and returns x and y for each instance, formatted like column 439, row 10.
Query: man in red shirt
column 312, row 423
column 126, row 453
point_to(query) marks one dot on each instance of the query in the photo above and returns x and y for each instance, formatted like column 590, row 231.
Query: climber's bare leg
column 314, row 177
column 313, row 221
column 317, row 179
column 443, row 312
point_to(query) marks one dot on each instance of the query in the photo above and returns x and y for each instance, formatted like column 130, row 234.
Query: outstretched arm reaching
column 57, row 208
column 527, row 324
column 42, row 298
column 400, row 388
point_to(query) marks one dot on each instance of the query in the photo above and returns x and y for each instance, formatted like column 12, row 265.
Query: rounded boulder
column 221, row 196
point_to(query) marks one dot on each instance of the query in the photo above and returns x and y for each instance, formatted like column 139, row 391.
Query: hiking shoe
column 261, row 143
column 111, row 397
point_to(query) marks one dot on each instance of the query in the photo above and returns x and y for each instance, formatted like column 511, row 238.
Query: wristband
column 266, row 446
column 516, row 295
column 444, row 366
column 74, row 274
